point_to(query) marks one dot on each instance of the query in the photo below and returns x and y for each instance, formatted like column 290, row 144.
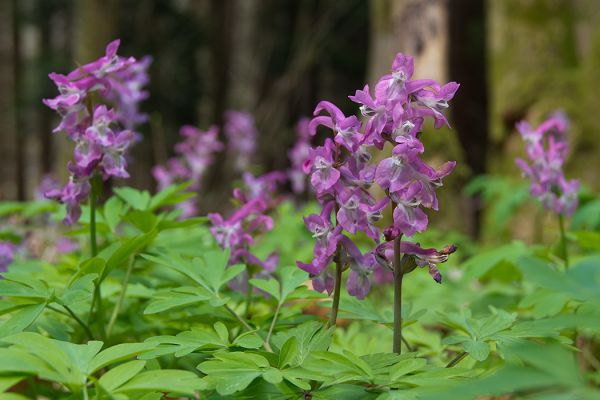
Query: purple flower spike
column 343, row 170
column 547, row 150
column 101, row 143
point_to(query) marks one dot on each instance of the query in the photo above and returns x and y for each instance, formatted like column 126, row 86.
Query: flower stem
column 398, row 275
column 115, row 313
column 72, row 314
column 249, row 291
column 93, row 205
column 336, row 291
column 272, row 326
column 563, row 240
column 241, row 320
column 97, row 296
column 456, row 359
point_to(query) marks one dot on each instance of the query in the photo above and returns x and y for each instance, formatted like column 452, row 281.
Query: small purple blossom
column 298, row 155
column 241, row 134
column 238, row 232
column 7, row 255
column 194, row 154
column 547, row 149
column 429, row 258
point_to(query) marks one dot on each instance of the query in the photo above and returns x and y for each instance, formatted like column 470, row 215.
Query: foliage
column 510, row 319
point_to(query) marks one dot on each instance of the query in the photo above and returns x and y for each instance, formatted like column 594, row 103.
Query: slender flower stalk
column 563, row 240
column 335, row 305
column 398, row 277
column 115, row 313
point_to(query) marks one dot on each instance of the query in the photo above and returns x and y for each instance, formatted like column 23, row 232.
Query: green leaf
column 113, row 209
column 170, row 195
column 120, row 374
column 311, row 336
column 291, row 278
column 248, row 340
column 135, row 198
column 145, row 221
column 129, row 248
column 163, row 380
column 185, row 343
column 118, row 353
column 477, row 349
column 273, row 376
column 79, row 290
column 405, row 367
column 231, row 372
column 289, row 352
column 270, row 286
column 179, row 297
column 21, row 319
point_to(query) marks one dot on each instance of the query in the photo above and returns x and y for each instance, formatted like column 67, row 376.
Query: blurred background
column 514, row 59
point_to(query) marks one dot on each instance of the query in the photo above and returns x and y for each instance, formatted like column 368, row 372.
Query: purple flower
column 436, row 101
column 376, row 113
column 321, row 163
column 7, row 255
column 298, row 155
column 241, row 136
column 100, row 142
column 65, row 245
column 361, row 267
column 345, row 128
column 72, row 194
column 238, row 231
column 195, row 153
column 547, row 148
column 342, row 172
column 429, row 258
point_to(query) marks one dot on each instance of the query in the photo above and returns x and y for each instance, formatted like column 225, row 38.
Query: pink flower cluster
column 341, row 173
column 547, row 149
column 102, row 135
column 238, row 232
column 241, row 133
column 194, row 155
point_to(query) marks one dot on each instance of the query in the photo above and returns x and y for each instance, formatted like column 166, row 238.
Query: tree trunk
column 8, row 132
column 467, row 65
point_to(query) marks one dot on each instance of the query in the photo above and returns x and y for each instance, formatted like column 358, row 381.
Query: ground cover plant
column 139, row 297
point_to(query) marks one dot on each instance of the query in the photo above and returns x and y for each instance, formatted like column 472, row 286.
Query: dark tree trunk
column 467, row 65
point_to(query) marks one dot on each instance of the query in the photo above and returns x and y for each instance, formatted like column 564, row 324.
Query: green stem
column 93, row 205
column 456, row 359
column 241, row 320
column 115, row 313
column 272, row 326
column 336, row 291
column 72, row 314
column 398, row 276
column 97, row 296
column 248, row 294
column 563, row 240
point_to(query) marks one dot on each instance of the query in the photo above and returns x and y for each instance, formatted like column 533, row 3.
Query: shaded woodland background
column 276, row 59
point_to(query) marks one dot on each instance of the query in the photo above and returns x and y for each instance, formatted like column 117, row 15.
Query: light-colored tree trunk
column 415, row 27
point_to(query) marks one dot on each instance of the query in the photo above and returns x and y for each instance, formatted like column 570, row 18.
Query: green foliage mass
column 507, row 320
